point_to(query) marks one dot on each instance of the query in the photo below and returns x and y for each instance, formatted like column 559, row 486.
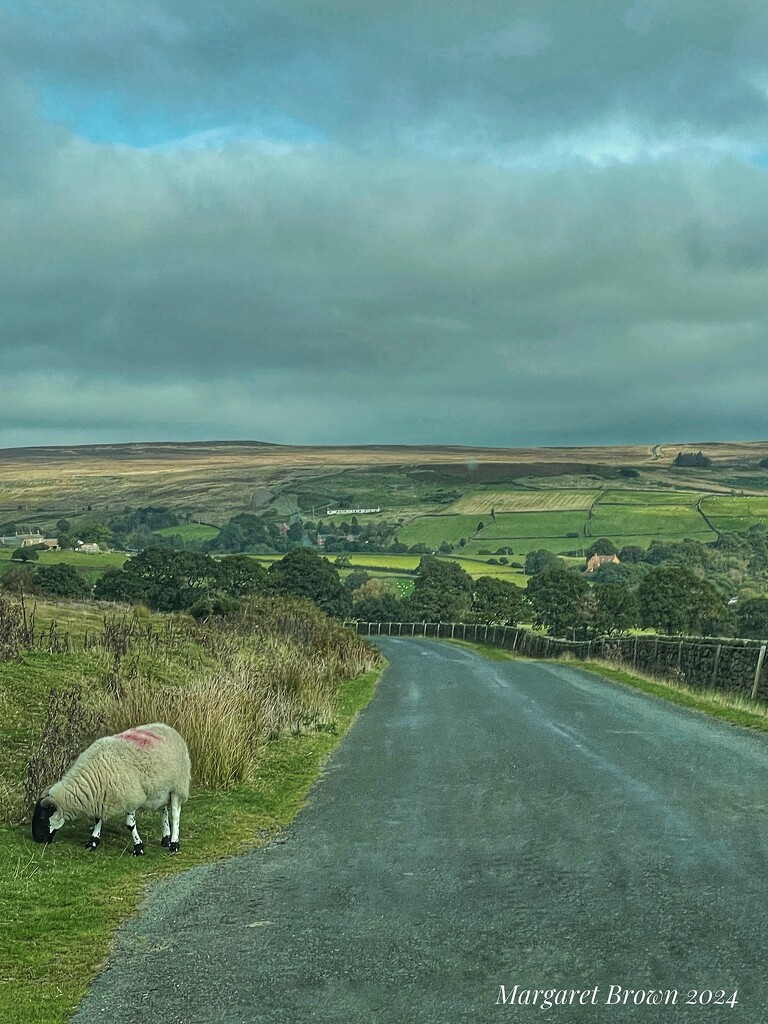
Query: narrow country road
column 485, row 824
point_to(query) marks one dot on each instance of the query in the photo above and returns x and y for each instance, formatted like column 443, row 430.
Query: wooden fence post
column 758, row 670
column 634, row 654
column 680, row 655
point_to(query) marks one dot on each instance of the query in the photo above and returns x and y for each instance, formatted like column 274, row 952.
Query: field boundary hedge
column 722, row 664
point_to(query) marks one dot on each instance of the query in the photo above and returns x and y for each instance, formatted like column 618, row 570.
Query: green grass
column 477, row 502
column 652, row 498
column 433, row 530
column 508, row 526
column 520, row 546
column 654, row 521
column 388, row 490
column 534, row 525
column 91, row 566
column 729, row 514
column 190, row 531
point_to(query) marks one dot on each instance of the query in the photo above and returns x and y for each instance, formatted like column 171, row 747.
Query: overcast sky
column 495, row 222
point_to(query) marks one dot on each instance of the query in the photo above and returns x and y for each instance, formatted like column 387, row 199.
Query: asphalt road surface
column 485, row 825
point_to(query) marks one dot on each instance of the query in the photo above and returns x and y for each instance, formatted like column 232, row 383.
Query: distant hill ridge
column 599, row 454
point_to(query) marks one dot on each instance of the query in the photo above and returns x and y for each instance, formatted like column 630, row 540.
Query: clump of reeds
column 279, row 666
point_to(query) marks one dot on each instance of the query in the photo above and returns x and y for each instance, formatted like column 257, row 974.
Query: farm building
column 351, row 511
column 597, row 560
column 22, row 540
column 87, row 549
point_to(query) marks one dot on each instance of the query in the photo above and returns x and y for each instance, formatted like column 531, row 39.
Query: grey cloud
column 357, row 290
column 357, row 70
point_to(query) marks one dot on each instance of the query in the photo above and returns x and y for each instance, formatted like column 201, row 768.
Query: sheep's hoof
column 92, row 843
column 173, row 847
column 166, row 841
column 138, row 850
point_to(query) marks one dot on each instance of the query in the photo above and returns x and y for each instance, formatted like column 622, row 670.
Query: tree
column 356, row 579
column 602, row 546
column 27, row 554
column 239, row 575
column 631, row 553
column 625, row 574
column 673, row 600
column 303, row 573
column 124, row 587
column 442, row 592
column 95, row 533
column 62, row 581
column 385, row 608
column 555, row 596
column 697, row 459
column 752, row 618
column 540, row 560
column 165, row 580
column 497, row 600
column 615, row 609
column 20, row 579
column 295, row 531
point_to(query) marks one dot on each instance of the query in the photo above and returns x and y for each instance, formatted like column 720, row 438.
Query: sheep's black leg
column 175, row 816
column 95, row 839
column 166, row 840
column 138, row 846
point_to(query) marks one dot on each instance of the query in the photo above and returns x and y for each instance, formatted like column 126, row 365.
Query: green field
column 92, row 566
column 729, row 514
column 189, row 531
column 434, row 530
column 535, row 525
column 482, row 502
column 520, row 546
column 390, row 491
column 658, row 521
column 643, row 498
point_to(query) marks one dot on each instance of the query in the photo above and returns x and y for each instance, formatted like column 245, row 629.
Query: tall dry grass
column 235, row 684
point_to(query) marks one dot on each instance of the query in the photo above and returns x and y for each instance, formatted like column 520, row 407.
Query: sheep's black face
column 42, row 832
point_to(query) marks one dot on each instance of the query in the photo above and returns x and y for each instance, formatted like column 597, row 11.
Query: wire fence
column 717, row 663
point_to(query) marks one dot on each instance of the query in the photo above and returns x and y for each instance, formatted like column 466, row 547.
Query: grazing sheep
column 144, row 767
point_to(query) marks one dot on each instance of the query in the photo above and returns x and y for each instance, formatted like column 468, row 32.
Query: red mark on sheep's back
column 141, row 737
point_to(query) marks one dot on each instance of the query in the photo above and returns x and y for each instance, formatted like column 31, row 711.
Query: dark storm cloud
column 469, row 224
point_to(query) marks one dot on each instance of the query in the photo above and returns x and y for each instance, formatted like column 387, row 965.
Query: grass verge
column 59, row 905
column 728, row 707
